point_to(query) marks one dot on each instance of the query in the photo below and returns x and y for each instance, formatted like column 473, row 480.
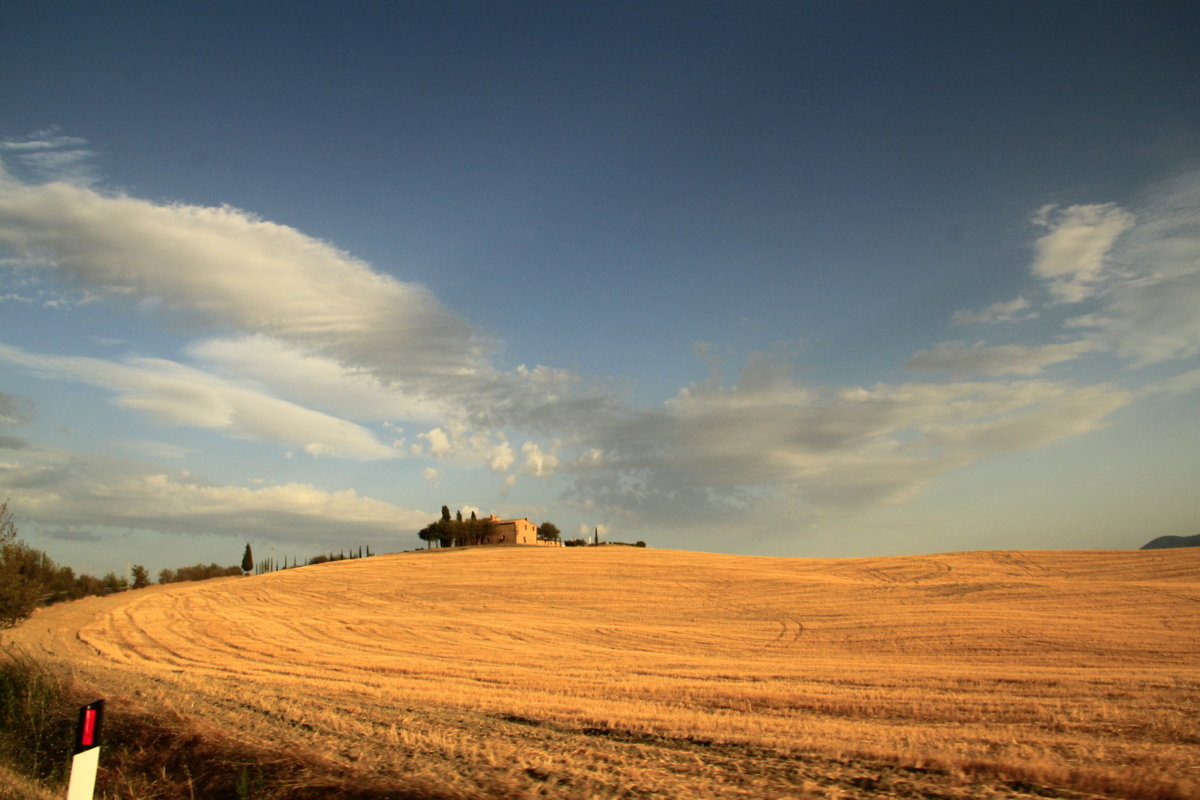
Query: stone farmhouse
column 514, row 531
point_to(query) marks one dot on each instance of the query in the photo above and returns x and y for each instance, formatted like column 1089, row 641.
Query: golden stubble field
column 622, row 672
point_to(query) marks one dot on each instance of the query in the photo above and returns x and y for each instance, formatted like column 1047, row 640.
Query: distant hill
column 1164, row 542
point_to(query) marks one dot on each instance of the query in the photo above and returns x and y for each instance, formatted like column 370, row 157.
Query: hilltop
column 626, row 672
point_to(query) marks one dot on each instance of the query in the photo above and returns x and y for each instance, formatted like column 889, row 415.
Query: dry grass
column 621, row 672
column 14, row 786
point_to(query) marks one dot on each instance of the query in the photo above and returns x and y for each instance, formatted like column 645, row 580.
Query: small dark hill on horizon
column 1164, row 542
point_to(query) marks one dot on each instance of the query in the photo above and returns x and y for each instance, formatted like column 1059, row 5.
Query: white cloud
column 1153, row 322
column 181, row 395
column 330, row 323
column 500, row 457
column 439, row 443
column 1073, row 255
column 537, row 462
column 66, row 491
column 314, row 380
column 224, row 266
column 314, row 328
column 457, row 443
column 1139, row 269
column 718, row 448
column 1149, row 315
column 979, row 359
column 1006, row 311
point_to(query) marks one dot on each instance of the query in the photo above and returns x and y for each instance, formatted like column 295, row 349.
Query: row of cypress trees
column 271, row 564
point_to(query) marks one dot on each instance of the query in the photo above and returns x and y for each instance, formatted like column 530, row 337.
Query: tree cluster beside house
column 458, row 532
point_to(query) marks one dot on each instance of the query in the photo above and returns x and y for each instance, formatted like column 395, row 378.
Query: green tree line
column 29, row 578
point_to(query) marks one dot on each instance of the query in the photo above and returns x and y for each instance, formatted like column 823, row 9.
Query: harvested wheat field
column 623, row 672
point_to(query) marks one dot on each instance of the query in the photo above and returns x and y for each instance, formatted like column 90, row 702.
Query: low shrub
column 36, row 719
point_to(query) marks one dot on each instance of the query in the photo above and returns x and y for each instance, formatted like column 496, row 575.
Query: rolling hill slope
column 625, row 672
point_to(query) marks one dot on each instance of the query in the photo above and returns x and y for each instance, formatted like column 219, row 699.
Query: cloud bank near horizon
column 70, row 494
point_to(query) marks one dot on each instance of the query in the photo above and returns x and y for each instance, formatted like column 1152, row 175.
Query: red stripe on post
column 90, row 727
column 87, row 738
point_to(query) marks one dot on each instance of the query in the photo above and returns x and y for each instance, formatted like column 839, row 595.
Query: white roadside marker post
column 87, row 752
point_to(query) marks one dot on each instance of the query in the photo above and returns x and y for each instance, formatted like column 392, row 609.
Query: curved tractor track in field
column 622, row 672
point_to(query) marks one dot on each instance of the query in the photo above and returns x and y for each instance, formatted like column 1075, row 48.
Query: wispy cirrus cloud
column 156, row 450
column 315, row 381
column 720, row 446
column 1004, row 311
column 1185, row 383
column 1135, row 273
column 1148, row 313
column 226, row 267
column 179, row 395
column 49, row 155
column 980, row 359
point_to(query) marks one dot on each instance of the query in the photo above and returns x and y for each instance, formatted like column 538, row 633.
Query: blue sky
column 768, row 278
